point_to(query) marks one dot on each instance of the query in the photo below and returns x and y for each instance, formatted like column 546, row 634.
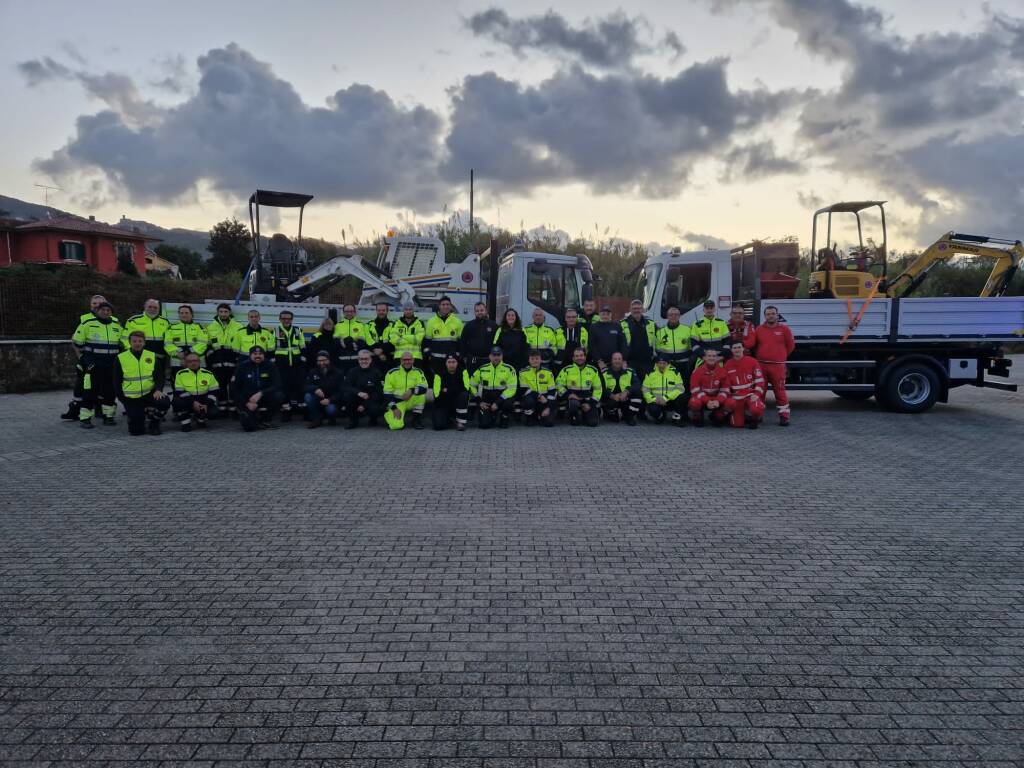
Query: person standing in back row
column 708, row 332
column 376, row 337
column 589, row 313
column 606, row 338
column 773, row 344
column 740, row 329
column 568, row 338
column 540, row 338
column 673, row 342
column 640, row 339
column 221, row 357
column 97, row 342
column 289, row 357
column 406, row 334
column 75, row 406
column 477, row 338
column 441, row 337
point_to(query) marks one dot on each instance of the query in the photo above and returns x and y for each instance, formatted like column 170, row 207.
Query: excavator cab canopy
column 858, row 258
column 283, row 260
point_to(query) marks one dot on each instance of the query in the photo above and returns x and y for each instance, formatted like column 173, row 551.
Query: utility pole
column 46, row 191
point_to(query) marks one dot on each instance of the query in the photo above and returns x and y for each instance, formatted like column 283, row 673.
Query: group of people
column 591, row 368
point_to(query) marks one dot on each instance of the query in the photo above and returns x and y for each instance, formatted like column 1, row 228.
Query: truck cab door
column 686, row 286
column 553, row 288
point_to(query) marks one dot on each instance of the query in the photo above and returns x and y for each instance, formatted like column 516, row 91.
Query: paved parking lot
column 847, row 592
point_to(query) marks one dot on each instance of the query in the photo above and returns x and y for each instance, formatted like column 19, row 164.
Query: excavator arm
column 1006, row 253
column 320, row 278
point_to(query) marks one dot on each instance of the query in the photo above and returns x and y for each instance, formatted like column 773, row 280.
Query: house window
column 71, row 250
column 125, row 257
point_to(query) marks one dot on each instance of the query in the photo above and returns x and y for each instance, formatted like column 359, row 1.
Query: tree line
column 615, row 261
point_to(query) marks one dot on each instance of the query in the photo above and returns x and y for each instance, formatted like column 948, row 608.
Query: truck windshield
column 648, row 283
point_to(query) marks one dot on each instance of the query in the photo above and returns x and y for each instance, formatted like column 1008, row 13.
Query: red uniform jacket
column 708, row 381
column 743, row 332
column 774, row 343
column 744, row 378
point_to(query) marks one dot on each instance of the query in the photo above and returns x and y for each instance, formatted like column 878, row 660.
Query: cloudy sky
column 691, row 121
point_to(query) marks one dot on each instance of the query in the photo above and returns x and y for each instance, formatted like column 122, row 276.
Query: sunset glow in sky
column 710, row 121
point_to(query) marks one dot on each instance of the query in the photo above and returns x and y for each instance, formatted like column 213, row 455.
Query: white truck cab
column 551, row 282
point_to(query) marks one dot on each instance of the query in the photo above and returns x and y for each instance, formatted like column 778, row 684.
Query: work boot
column 186, row 427
column 109, row 421
column 631, row 420
column 85, row 424
column 71, row 414
column 200, row 422
column 752, row 424
column 314, row 424
column 352, row 424
column 503, row 422
column 154, row 427
column 698, row 419
column 783, row 419
column 417, row 421
column 460, row 427
column 373, row 421
column 286, row 416
column 332, row 422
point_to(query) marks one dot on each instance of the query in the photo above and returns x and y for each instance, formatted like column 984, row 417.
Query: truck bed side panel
column 961, row 318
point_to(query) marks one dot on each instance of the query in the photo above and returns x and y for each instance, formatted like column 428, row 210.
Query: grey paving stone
column 844, row 593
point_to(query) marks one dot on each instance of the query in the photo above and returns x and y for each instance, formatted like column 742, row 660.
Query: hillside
column 192, row 239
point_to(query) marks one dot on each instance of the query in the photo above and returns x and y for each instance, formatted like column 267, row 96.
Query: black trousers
column 487, row 419
column 576, row 415
column 454, row 408
column 293, row 380
column 251, row 420
column 372, row 408
column 533, row 410
column 98, row 390
column 222, row 364
column 141, row 408
column 641, row 367
column 615, row 410
column 182, row 405
column 672, row 410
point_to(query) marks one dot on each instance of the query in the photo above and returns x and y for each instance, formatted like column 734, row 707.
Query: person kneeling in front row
column 256, row 390
column 405, row 389
column 195, row 397
column 135, row 380
column 663, row 393
column 580, row 390
column 707, row 390
column 539, row 392
column 451, row 395
column 322, row 393
column 495, row 383
column 363, row 390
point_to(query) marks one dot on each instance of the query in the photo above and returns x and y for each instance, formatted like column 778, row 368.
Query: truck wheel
column 858, row 396
column 911, row 388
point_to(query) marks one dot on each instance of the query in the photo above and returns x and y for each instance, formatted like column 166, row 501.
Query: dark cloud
column 699, row 240
column 611, row 41
column 619, row 132
column 174, row 74
column 245, row 127
column 43, row 70
column 927, row 116
column 756, row 161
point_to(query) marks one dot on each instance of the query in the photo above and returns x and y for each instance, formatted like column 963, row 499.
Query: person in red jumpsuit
column 741, row 329
column 744, row 385
column 706, row 390
column 773, row 345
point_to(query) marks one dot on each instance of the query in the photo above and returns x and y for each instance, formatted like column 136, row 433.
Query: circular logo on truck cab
column 467, row 277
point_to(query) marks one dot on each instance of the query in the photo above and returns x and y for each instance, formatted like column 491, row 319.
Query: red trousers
column 775, row 377
column 700, row 402
column 751, row 405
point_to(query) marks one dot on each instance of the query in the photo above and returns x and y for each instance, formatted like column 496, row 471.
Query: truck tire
column 856, row 396
column 911, row 388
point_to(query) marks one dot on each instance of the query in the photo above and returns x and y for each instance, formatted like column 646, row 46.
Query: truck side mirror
column 588, row 292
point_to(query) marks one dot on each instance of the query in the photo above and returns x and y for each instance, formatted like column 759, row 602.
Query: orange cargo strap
column 855, row 321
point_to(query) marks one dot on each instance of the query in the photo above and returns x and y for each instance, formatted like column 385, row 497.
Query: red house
column 73, row 241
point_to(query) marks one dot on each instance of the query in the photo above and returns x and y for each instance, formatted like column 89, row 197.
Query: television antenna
column 46, row 191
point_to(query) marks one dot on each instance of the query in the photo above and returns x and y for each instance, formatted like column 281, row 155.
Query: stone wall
column 34, row 365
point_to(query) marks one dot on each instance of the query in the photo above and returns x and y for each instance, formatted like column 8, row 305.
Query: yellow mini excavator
column 863, row 271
